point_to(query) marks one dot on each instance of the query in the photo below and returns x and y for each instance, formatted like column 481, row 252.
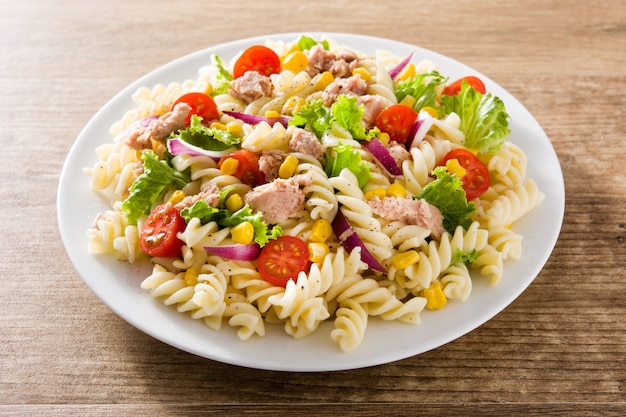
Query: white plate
column 117, row 283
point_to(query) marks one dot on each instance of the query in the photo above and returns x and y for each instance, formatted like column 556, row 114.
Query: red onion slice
column 350, row 240
column 419, row 129
column 395, row 71
column 239, row 252
column 382, row 154
column 254, row 119
column 177, row 146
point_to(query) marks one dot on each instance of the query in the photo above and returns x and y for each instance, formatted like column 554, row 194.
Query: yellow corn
column 191, row 276
column 376, row 192
column 272, row 113
column 409, row 72
column 408, row 101
column 454, row 167
column 323, row 80
column 229, row 166
column 158, row 147
column 234, row 128
column 384, row 138
column 176, row 197
column 435, row 297
column 288, row 167
column 396, row 190
column 405, row 259
column 234, row 202
column 321, row 231
column 431, row 111
column 242, row 233
column 295, row 61
column 293, row 104
column 218, row 125
column 318, row 251
column 209, row 89
column 362, row 72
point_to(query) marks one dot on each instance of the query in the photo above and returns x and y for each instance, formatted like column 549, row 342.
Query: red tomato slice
column 396, row 120
column 257, row 58
column 476, row 179
column 158, row 235
column 247, row 168
column 201, row 105
column 455, row 87
column 283, row 259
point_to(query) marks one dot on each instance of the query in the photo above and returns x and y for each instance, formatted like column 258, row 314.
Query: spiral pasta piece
column 350, row 323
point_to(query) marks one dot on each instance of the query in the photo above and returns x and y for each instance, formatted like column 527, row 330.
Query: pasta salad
column 306, row 181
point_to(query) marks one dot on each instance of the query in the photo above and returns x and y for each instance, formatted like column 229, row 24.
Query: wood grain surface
column 559, row 349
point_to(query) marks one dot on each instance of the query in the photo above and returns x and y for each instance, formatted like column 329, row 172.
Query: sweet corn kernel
column 376, row 192
column 408, row 101
column 396, row 190
column 229, row 166
column 209, row 89
column 454, row 167
column 435, row 297
column 176, row 197
column 384, row 138
column 242, row 233
column 234, row 202
column 158, row 147
column 288, row 167
column 323, row 80
column 218, row 125
column 365, row 75
column 318, row 251
column 409, row 72
column 405, row 259
column 431, row 111
column 295, row 61
column 321, row 231
column 234, row 128
column 272, row 113
column 191, row 276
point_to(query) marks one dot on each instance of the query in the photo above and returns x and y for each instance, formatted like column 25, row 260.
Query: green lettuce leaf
column 307, row 42
column 223, row 77
column 226, row 218
column 465, row 257
column 484, row 119
column 156, row 178
column 422, row 88
column 447, row 194
column 349, row 115
column 314, row 116
column 345, row 156
column 209, row 138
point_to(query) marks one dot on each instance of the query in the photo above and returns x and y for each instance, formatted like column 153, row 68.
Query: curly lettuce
column 421, row 87
column 209, row 138
column 447, row 194
column 484, row 119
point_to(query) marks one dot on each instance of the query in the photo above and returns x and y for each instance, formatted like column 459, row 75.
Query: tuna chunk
column 251, row 86
column 140, row 136
column 410, row 211
column 352, row 86
column 306, row 142
column 373, row 105
column 280, row 199
column 340, row 63
column 269, row 163
column 210, row 194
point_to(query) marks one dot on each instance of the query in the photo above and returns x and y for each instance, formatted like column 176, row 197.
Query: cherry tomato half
column 283, row 259
column 396, row 120
column 476, row 179
column 247, row 169
column 455, row 87
column 201, row 105
column 158, row 235
column 257, row 58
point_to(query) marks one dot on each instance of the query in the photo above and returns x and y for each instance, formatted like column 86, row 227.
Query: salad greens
column 447, row 194
column 156, row 178
column 226, row 218
column 484, row 119
column 307, row 42
column 204, row 137
column 223, row 77
column 422, row 88
column 347, row 157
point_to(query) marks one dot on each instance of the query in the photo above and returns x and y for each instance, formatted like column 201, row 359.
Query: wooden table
column 559, row 349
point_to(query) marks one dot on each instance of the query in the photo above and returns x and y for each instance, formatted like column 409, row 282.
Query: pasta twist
column 511, row 205
column 320, row 200
column 350, row 323
column 263, row 137
column 111, row 233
